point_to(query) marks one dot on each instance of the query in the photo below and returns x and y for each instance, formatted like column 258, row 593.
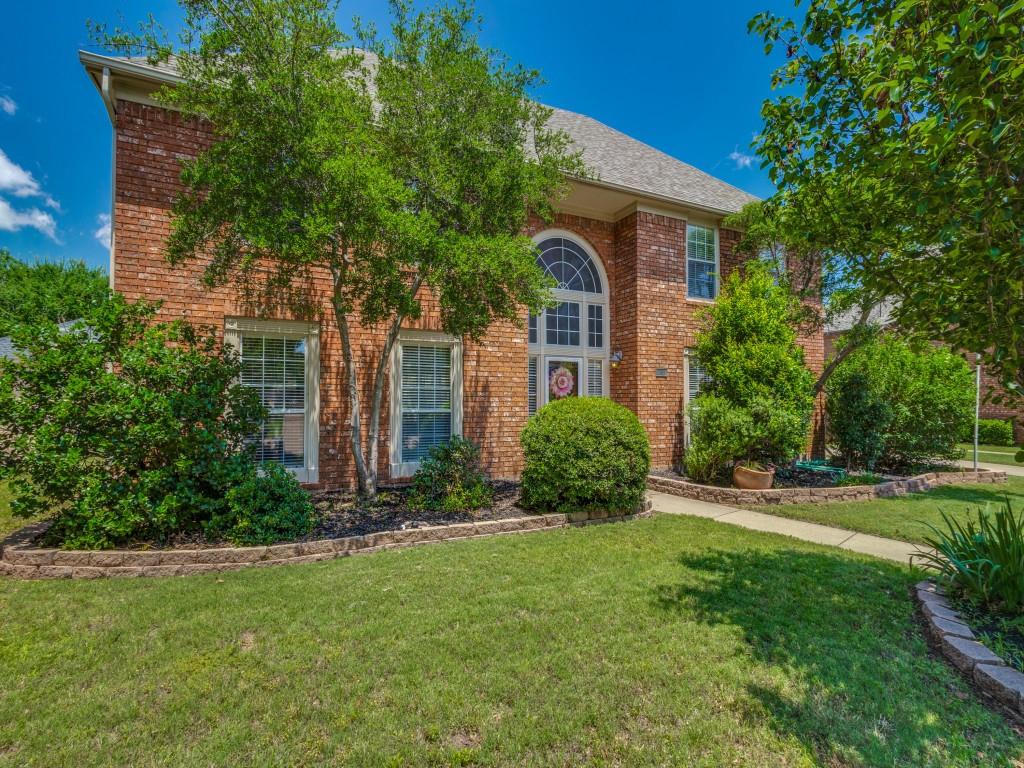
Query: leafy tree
column 126, row 429
column 900, row 403
column 47, row 290
column 913, row 112
column 821, row 269
column 747, row 345
column 403, row 173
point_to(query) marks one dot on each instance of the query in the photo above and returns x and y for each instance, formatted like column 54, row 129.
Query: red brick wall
column 651, row 321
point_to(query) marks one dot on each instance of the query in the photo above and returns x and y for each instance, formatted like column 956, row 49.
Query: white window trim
column 236, row 327
column 420, row 338
column 542, row 350
column 688, row 353
column 718, row 263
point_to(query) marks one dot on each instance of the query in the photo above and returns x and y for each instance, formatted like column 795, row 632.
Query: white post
column 977, row 405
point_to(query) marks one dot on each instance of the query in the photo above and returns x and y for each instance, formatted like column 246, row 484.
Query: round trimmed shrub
column 264, row 508
column 584, row 453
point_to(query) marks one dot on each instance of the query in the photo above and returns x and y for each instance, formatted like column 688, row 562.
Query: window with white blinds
column 280, row 360
column 595, row 378
column 275, row 366
column 531, row 387
column 426, row 399
column 701, row 262
column 697, row 377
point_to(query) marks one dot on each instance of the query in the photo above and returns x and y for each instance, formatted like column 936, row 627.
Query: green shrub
column 748, row 343
column 264, row 508
column 858, row 419
column 720, row 432
column 748, row 347
column 984, row 559
column 450, row 479
column 929, row 390
column 122, row 428
column 991, row 432
column 584, row 453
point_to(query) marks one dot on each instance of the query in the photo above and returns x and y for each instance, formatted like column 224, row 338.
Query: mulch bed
column 341, row 514
column 784, row 478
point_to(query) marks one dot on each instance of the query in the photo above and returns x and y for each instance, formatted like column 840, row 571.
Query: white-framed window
column 568, row 343
column 697, row 379
column 701, row 262
column 281, row 360
column 426, row 396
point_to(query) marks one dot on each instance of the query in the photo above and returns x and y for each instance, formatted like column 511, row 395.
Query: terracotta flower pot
column 752, row 479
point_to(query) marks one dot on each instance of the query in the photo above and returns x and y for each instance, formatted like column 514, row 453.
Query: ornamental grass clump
column 983, row 558
column 584, row 453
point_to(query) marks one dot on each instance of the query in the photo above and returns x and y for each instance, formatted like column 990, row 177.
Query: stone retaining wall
column 735, row 496
column 959, row 645
column 23, row 561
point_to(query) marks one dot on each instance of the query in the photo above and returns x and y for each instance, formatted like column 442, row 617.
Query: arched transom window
column 568, row 343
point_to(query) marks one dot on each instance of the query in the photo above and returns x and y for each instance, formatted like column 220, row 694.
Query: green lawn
column 905, row 517
column 669, row 641
column 993, row 454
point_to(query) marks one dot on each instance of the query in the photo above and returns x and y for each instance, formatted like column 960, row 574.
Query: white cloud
column 741, row 160
column 21, row 183
column 8, row 105
column 103, row 233
column 12, row 220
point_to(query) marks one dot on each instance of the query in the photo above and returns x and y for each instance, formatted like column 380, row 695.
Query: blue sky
column 684, row 77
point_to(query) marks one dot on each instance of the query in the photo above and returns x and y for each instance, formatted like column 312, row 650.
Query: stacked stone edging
column 736, row 496
column 23, row 561
column 959, row 645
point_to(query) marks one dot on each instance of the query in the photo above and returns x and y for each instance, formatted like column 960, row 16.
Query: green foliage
column 748, row 347
column 991, row 432
column 858, row 419
column 983, row 558
column 867, row 478
column 900, row 125
column 407, row 171
column 719, row 433
column 123, row 428
column 450, row 479
column 263, row 508
column 47, row 291
column 928, row 391
column 584, row 453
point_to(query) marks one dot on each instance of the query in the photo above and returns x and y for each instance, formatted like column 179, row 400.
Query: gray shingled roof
column 623, row 161
column 614, row 158
column 879, row 315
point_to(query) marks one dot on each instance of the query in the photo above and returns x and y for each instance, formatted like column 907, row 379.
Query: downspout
column 106, row 90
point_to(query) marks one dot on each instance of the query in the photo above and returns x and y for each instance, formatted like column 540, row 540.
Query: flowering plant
column 562, row 382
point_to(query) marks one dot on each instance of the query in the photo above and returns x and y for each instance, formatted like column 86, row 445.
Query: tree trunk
column 366, row 470
column 844, row 351
column 356, row 442
column 378, row 388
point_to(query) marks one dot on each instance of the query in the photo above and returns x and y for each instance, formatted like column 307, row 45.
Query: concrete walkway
column 1007, row 468
column 889, row 549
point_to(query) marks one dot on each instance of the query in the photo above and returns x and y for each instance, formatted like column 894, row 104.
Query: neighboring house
column 883, row 315
column 636, row 254
column 7, row 350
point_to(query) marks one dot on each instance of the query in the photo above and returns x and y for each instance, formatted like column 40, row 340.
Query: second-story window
column 701, row 262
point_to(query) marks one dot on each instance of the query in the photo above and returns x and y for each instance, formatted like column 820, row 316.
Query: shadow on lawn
column 857, row 686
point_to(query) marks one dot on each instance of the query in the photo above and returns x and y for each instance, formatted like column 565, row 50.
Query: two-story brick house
column 637, row 253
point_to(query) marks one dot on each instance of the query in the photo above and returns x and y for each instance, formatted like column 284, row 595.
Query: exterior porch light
column 615, row 358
